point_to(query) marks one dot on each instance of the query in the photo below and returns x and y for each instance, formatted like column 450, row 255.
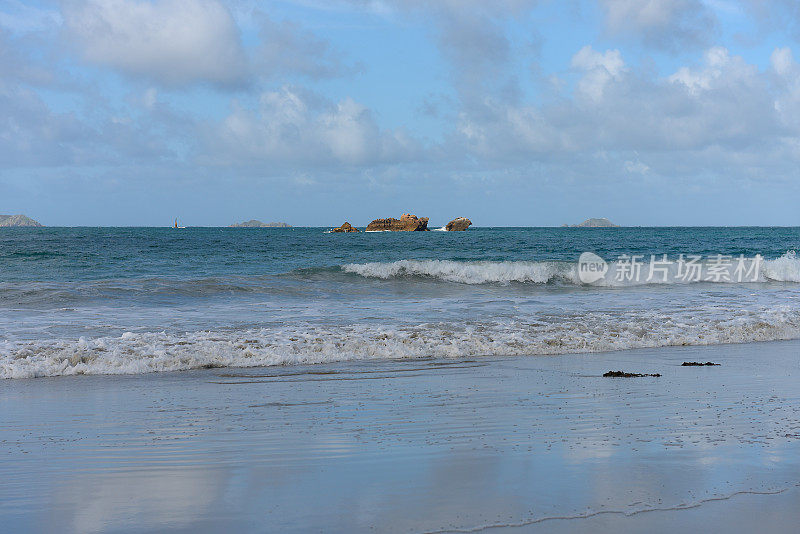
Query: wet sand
column 522, row 444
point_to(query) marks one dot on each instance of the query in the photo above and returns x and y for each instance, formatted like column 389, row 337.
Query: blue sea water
column 134, row 300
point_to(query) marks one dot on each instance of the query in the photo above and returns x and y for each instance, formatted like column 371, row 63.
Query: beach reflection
column 146, row 500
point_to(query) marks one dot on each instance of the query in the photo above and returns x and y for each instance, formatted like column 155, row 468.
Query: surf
column 783, row 269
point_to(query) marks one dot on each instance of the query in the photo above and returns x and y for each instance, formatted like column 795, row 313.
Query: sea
column 141, row 300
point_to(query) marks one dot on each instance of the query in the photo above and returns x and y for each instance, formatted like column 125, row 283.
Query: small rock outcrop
column 345, row 228
column 17, row 220
column 258, row 224
column 697, row 364
column 459, row 224
column 406, row 223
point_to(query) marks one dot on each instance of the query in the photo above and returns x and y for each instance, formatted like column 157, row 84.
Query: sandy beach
column 540, row 443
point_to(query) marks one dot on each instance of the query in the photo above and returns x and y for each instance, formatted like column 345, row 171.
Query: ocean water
column 137, row 300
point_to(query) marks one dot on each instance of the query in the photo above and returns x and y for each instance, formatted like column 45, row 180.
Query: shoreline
column 426, row 445
column 81, row 346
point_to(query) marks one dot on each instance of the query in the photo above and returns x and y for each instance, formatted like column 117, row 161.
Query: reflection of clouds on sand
column 99, row 502
column 602, row 450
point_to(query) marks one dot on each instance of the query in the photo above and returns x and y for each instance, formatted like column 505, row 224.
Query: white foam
column 783, row 269
column 467, row 272
column 133, row 353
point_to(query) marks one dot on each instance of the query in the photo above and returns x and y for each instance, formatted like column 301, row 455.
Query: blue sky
column 514, row 112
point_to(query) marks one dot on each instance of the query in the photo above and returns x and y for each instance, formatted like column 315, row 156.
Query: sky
column 316, row 112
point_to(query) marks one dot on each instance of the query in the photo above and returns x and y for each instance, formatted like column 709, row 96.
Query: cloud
column 170, row 42
column 601, row 118
column 598, row 69
column 636, row 167
column 295, row 127
column 663, row 24
column 288, row 49
column 725, row 117
column 775, row 15
column 786, row 79
column 32, row 134
column 471, row 36
column 18, row 67
column 19, row 17
column 175, row 43
column 476, row 47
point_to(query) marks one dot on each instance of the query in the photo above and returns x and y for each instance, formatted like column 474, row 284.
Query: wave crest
column 479, row 272
column 143, row 352
column 783, row 269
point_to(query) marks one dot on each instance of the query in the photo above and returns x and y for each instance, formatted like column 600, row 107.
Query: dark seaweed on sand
column 623, row 374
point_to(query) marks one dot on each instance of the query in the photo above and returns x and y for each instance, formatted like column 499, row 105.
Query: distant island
column 258, row 224
column 593, row 223
column 17, row 220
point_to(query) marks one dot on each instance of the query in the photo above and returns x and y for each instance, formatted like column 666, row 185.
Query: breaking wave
column 783, row 269
column 144, row 352
column 295, row 283
column 480, row 272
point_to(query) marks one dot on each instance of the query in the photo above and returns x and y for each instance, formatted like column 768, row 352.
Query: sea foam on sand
column 143, row 352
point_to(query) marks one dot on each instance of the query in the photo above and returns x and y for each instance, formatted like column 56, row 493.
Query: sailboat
column 176, row 224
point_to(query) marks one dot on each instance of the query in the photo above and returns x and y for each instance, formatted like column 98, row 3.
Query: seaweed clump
column 623, row 374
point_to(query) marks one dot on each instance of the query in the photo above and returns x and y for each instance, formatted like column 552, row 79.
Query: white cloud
column 787, row 79
column 668, row 24
column 782, row 61
column 502, row 131
column 150, row 98
column 636, row 167
column 598, row 70
column 294, row 127
column 724, row 116
column 716, row 116
column 496, row 8
column 172, row 42
column 589, row 59
column 720, row 69
column 33, row 135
